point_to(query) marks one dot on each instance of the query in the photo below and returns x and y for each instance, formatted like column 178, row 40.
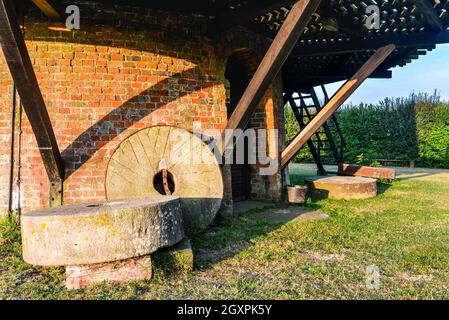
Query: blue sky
column 428, row 73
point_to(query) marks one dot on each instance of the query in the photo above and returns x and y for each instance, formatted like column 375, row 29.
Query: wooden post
column 335, row 102
column 272, row 63
column 22, row 72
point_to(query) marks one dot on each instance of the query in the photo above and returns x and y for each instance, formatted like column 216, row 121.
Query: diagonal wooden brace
column 22, row 72
column 47, row 8
column 336, row 102
column 272, row 63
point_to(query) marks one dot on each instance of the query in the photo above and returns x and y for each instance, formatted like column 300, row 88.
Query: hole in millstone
column 93, row 206
column 158, row 183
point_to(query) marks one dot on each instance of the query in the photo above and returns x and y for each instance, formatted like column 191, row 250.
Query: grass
column 404, row 232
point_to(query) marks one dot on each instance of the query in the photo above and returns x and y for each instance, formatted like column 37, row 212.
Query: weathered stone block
column 117, row 272
column 368, row 172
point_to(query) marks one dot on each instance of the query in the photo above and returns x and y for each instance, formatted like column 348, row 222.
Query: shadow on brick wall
column 131, row 112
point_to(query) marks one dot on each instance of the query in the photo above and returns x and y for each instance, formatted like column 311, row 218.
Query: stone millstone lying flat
column 347, row 188
column 101, row 232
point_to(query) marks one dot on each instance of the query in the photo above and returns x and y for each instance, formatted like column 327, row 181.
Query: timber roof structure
column 336, row 41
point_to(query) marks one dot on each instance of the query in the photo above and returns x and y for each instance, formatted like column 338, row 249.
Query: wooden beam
column 292, row 74
column 312, row 81
column 335, row 102
column 47, row 8
column 243, row 15
column 21, row 68
column 272, row 63
column 204, row 7
column 423, row 40
column 428, row 11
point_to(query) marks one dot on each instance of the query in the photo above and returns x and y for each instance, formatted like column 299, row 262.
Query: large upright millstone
column 101, row 232
column 187, row 165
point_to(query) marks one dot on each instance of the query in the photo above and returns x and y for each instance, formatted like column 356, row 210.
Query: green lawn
column 404, row 232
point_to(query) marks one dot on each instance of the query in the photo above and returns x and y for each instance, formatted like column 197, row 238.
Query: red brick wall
column 5, row 129
column 101, row 84
column 269, row 115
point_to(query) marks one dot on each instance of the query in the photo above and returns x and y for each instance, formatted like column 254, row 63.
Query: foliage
column 291, row 130
column 9, row 228
column 432, row 118
column 414, row 128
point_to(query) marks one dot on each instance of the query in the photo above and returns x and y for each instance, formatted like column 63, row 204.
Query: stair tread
column 324, row 138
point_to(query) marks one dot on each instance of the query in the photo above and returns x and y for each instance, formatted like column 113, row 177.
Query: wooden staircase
column 327, row 145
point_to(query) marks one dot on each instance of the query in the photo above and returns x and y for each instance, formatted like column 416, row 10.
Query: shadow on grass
column 166, row 263
column 228, row 237
column 231, row 236
column 383, row 187
column 416, row 176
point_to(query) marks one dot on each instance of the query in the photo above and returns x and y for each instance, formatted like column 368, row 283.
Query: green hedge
column 291, row 130
column 414, row 128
